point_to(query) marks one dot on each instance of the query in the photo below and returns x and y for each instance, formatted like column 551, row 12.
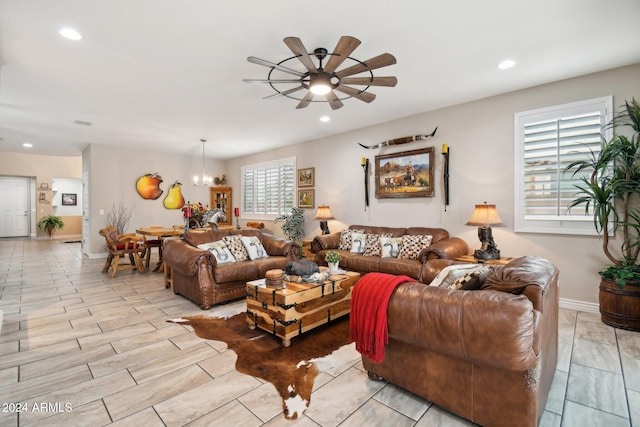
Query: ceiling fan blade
column 370, row 81
column 259, row 61
column 333, row 100
column 371, row 64
column 284, row 93
column 296, row 46
column 343, row 49
column 362, row 96
column 305, row 101
column 271, row 81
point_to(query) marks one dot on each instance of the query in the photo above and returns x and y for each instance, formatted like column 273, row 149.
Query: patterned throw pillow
column 254, row 247
column 390, row 246
column 451, row 273
column 358, row 240
column 372, row 244
column 473, row 279
column 234, row 243
column 345, row 239
column 219, row 250
column 412, row 245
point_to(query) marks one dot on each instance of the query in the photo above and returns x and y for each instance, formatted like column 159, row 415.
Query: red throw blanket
column 369, row 304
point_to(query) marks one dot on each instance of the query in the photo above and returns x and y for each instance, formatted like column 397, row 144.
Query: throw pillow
column 234, row 243
column 473, row 279
column 372, row 244
column 451, row 273
column 413, row 244
column 358, row 241
column 345, row 239
column 219, row 250
column 390, row 246
column 254, row 247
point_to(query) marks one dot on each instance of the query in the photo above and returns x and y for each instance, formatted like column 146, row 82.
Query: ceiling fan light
column 320, row 89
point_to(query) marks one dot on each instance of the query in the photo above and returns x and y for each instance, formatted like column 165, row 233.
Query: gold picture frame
column 405, row 174
column 306, row 177
column 306, row 199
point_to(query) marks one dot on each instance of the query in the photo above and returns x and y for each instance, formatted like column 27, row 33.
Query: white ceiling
column 162, row 74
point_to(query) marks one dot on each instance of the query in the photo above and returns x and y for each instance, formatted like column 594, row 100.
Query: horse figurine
column 212, row 216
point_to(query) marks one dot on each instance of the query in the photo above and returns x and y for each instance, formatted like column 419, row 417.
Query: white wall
column 480, row 135
column 66, row 186
column 112, row 179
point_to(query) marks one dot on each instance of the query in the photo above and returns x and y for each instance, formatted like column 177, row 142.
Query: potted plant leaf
column 610, row 191
column 50, row 223
column 293, row 226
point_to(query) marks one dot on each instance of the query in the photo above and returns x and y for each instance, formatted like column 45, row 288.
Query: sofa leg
column 374, row 377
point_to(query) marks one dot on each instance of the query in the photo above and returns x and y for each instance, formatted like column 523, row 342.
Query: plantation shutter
column 547, row 141
column 268, row 189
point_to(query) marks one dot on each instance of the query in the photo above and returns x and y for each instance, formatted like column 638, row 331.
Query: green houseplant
column 293, row 226
column 50, row 223
column 610, row 190
column 333, row 259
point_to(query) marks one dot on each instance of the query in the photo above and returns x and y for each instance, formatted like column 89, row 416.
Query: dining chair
column 120, row 245
column 149, row 243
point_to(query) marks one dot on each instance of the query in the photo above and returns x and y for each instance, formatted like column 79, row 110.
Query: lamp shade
column 324, row 213
column 485, row 215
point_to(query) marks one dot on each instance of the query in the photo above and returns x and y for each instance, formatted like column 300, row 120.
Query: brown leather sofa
column 488, row 355
column 442, row 247
column 195, row 274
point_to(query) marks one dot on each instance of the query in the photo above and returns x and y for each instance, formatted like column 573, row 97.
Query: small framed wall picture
column 306, row 177
column 305, row 199
column 69, row 199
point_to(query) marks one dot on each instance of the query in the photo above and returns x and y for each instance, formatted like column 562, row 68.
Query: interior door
column 14, row 206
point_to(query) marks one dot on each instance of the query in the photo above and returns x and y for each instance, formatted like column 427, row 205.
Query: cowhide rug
column 291, row 370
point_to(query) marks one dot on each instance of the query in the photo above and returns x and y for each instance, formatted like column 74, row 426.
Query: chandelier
column 204, row 180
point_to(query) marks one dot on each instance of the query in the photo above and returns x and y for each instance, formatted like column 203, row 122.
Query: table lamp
column 484, row 216
column 324, row 214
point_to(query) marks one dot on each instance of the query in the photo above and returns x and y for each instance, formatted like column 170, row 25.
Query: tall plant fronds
column 119, row 217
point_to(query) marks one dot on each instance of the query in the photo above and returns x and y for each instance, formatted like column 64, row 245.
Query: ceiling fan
column 322, row 80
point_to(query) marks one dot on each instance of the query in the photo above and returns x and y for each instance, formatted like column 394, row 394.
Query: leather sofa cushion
column 236, row 271
column 401, row 267
column 393, row 231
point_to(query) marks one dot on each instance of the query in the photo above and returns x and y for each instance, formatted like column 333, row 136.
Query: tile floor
column 78, row 348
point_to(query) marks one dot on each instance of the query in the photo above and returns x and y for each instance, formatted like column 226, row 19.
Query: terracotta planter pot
column 620, row 307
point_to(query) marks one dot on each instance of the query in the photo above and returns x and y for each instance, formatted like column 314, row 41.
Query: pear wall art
column 148, row 187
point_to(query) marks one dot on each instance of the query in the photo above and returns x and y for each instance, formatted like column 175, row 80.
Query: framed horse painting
column 405, row 174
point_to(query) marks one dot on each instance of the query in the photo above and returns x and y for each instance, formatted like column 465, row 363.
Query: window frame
column 575, row 222
column 283, row 209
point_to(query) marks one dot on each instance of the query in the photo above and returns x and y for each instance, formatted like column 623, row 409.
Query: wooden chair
column 119, row 245
column 151, row 242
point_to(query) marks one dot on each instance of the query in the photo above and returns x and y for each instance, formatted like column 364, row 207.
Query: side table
column 471, row 260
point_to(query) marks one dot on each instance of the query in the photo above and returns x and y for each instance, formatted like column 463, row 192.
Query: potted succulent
column 611, row 191
column 50, row 223
column 333, row 259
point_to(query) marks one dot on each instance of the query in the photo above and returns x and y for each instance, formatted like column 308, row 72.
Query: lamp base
column 486, row 255
column 489, row 250
column 324, row 227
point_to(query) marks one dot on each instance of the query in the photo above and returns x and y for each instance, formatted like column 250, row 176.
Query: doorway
column 14, row 206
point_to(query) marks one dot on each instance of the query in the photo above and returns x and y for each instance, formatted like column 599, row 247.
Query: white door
column 14, row 206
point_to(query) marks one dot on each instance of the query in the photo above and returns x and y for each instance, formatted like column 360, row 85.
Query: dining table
column 160, row 233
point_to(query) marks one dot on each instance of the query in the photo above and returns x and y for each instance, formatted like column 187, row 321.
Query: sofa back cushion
column 200, row 237
column 393, row 231
column 436, row 234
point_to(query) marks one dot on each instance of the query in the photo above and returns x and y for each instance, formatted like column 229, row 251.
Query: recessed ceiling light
column 325, row 119
column 506, row 64
column 70, row 33
column 27, row 145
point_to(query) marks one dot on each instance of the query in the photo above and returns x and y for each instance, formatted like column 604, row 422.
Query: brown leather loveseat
column 488, row 355
column 195, row 273
column 442, row 247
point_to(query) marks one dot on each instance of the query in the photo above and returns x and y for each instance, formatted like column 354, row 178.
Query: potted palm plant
column 610, row 190
column 50, row 223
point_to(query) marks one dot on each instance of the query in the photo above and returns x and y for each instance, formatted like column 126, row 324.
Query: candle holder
column 365, row 167
column 236, row 213
column 445, row 154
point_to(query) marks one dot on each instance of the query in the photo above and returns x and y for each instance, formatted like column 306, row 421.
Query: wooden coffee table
column 298, row 307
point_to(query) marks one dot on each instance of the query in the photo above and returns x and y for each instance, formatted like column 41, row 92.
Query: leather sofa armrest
column 431, row 268
column 278, row 246
column 325, row 241
column 185, row 258
column 449, row 248
column 485, row 327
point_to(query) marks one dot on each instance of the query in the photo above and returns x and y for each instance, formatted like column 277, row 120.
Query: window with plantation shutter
column 547, row 141
column 268, row 189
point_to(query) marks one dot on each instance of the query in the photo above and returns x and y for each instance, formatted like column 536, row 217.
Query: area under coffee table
column 298, row 307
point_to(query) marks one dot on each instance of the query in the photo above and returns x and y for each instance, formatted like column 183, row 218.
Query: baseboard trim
column 571, row 304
